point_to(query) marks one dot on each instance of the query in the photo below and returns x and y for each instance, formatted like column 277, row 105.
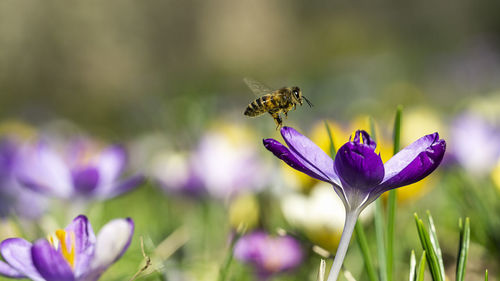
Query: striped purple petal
column 84, row 243
column 112, row 242
column 17, row 253
column 309, row 153
column 50, row 263
column 8, row 271
column 357, row 164
column 283, row 153
column 413, row 163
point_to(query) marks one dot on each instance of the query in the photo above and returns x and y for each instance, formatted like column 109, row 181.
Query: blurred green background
column 119, row 68
column 123, row 69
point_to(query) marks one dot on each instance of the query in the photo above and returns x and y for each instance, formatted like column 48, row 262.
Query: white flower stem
column 350, row 222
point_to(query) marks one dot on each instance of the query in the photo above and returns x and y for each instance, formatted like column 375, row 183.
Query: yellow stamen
column 69, row 256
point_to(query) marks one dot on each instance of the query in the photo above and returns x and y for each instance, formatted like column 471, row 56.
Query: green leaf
column 365, row 251
column 463, row 249
column 428, row 247
column 435, row 243
column 333, row 151
column 421, row 268
column 391, row 207
column 379, row 234
column 413, row 266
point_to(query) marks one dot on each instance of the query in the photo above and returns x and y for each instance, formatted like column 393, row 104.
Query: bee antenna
column 308, row 102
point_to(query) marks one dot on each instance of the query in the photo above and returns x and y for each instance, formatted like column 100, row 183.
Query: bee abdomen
column 257, row 107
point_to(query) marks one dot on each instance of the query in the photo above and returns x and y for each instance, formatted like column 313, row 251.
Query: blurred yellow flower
column 244, row 212
column 495, row 175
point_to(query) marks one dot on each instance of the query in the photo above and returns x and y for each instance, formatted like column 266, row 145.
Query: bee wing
column 257, row 88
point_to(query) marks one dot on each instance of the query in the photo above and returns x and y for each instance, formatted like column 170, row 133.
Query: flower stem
column 350, row 222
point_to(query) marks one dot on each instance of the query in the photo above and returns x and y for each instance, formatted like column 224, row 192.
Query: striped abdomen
column 262, row 105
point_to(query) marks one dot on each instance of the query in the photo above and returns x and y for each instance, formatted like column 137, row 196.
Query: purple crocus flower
column 71, row 254
column 78, row 171
column 358, row 174
column 269, row 255
column 13, row 197
column 476, row 145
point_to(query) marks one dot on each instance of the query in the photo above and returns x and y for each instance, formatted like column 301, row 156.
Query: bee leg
column 277, row 119
column 294, row 106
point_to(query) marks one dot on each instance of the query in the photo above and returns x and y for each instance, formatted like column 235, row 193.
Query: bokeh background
column 164, row 78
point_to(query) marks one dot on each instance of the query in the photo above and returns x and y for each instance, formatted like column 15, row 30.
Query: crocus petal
column 85, row 180
column 84, row 243
column 414, row 162
column 283, row 153
column 110, row 164
column 309, row 154
column 121, row 187
column 17, row 253
column 8, row 271
column 50, row 263
column 112, row 241
column 358, row 166
column 41, row 169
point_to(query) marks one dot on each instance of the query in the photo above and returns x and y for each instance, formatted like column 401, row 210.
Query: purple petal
column 414, row 162
column 268, row 254
column 43, row 170
column 85, row 180
column 358, row 166
column 8, row 150
column 50, row 263
column 367, row 140
column 122, row 187
column 17, row 253
column 309, row 154
column 283, row 153
column 112, row 242
column 111, row 164
column 8, row 271
column 84, row 243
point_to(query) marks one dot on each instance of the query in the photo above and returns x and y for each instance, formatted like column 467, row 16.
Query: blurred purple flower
column 79, row 171
column 14, row 198
column 222, row 165
column 357, row 173
column 72, row 254
column 174, row 173
column 476, row 143
column 269, row 255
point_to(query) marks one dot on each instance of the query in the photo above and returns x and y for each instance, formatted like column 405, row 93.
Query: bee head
column 297, row 95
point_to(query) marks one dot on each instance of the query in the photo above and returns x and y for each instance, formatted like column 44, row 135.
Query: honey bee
column 273, row 101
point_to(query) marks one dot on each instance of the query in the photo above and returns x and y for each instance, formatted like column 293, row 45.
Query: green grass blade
column 365, row 251
column 413, row 266
column 427, row 246
column 486, row 275
column 463, row 249
column 435, row 244
column 391, row 207
column 421, row 268
column 379, row 234
column 397, row 129
column 333, row 151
